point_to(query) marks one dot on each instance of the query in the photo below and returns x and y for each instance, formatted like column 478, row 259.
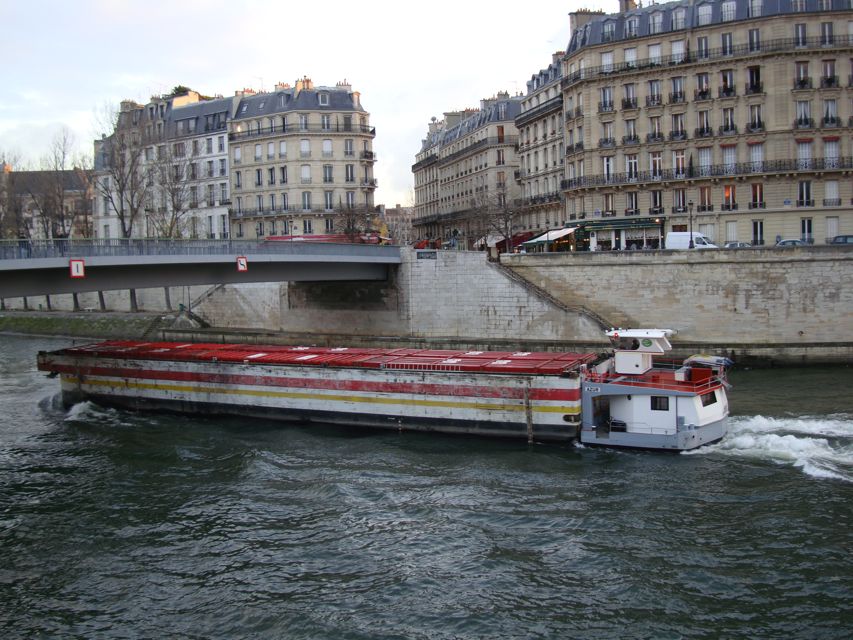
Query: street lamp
column 690, row 220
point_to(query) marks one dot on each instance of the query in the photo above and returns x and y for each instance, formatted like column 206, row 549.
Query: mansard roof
column 288, row 100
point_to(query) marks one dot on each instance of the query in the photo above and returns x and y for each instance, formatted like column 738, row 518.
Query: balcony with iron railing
column 656, row 211
column 629, row 103
column 605, row 107
column 676, row 97
column 606, row 142
column 744, row 50
column 631, row 139
column 728, row 206
column 291, row 130
column 632, row 212
column 832, row 202
column 654, row 100
column 727, row 129
column 704, row 208
column 802, row 84
column 755, row 126
column 763, row 167
column 804, row 123
column 701, row 94
column 830, row 122
column 679, row 134
column 829, row 82
column 655, row 136
column 703, row 132
column 757, row 204
column 805, row 203
column 753, row 88
column 726, row 92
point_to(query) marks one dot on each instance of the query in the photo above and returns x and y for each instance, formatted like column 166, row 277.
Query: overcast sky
column 65, row 60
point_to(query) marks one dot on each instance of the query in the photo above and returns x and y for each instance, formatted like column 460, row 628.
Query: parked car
column 791, row 242
column 842, row 240
column 736, row 245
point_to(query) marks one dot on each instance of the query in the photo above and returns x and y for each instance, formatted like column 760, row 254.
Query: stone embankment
column 759, row 305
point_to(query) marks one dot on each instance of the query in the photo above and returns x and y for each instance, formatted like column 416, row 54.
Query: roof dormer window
column 323, row 99
column 704, row 14
column 678, row 19
column 656, row 22
column 728, row 10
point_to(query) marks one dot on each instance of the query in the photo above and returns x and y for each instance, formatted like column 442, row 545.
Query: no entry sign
column 77, row 267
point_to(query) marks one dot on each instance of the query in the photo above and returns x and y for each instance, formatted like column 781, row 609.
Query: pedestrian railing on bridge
column 71, row 248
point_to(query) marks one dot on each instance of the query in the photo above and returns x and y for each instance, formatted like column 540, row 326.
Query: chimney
column 627, row 5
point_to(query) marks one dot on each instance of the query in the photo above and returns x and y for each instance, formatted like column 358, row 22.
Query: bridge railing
column 83, row 248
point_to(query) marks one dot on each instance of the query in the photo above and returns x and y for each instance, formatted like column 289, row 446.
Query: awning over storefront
column 550, row 236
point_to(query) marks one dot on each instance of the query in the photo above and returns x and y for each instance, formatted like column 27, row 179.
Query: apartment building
column 467, row 166
column 541, row 149
column 732, row 117
column 163, row 172
column 301, row 157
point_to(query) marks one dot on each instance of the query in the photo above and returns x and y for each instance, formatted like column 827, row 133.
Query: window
column 704, row 14
column 271, row 175
column 323, row 99
column 708, row 399
column 830, row 154
column 656, row 23
column 830, row 194
column 305, row 148
column 757, row 200
column 307, row 225
column 655, row 164
column 756, row 156
column 349, row 173
column 609, row 32
column 222, row 167
column 328, row 201
column 259, row 201
column 659, row 403
column 238, row 180
column 754, row 40
column 303, row 121
column 631, row 57
column 826, row 33
column 757, row 232
column 607, row 61
column 327, row 148
column 678, row 51
column 272, row 205
column 726, row 44
column 350, row 199
column 208, row 145
column 305, row 174
column 330, row 224
column 282, row 149
column 729, row 198
column 754, row 8
column 327, row 173
column 804, row 155
column 678, row 19
column 654, row 53
column 806, row 232
column 632, row 27
column 728, row 10
column 702, row 47
column 223, row 192
column 679, row 163
column 325, row 122
column 221, row 143
column 306, row 201
column 804, row 193
column 257, row 152
column 282, row 175
column 799, row 35
column 259, row 178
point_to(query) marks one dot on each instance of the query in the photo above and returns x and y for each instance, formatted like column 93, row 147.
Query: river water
column 122, row 525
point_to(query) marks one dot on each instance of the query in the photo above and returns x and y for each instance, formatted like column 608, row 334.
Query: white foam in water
column 820, row 447
column 81, row 411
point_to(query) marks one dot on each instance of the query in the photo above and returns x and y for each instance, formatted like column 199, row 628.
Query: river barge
column 621, row 398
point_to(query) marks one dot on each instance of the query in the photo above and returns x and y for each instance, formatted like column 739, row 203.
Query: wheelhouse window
column 709, row 398
column 660, row 403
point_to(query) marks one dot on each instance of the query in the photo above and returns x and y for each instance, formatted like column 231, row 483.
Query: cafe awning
column 550, row 236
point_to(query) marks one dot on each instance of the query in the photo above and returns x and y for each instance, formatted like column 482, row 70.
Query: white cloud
column 410, row 61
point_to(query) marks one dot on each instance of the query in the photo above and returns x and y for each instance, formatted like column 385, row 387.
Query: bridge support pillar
column 134, row 307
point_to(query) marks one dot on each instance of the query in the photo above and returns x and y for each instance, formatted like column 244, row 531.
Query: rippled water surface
column 122, row 525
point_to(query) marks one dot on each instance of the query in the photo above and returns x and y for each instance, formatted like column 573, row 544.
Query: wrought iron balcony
column 805, row 203
column 729, row 129
column 633, row 139
column 679, row 209
column 755, row 127
column 654, row 100
column 678, row 135
column 804, row 123
column 632, row 212
column 802, row 84
column 726, row 92
column 655, row 211
column 656, row 136
column 676, row 97
column 758, row 205
column 605, row 107
column 753, row 88
column 829, row 82
column 606, row 142
column 728, row 206
column 703, row 132
column 832, row 202
column 831, row 121
column 702, row 94
column 629, row 103
column 702, row 208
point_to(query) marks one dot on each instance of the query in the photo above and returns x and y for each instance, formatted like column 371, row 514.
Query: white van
column 681, row 240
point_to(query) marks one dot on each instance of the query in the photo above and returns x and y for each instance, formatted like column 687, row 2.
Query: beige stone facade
column 467, row 165
column 299, row 156
column 717, row 115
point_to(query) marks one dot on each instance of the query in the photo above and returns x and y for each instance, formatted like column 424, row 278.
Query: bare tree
column 173, row 173
column 496, row 213
column 122, row 178
column 357, row 220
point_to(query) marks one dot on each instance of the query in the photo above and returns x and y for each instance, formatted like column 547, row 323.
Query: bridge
column 44, row 267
